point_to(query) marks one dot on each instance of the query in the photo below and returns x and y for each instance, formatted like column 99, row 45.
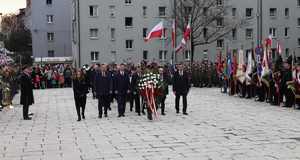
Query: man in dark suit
column 27, row 98
column 181, row 87
column 121, row 89
column 134, row 93
column 165, row 89
column 103, row 85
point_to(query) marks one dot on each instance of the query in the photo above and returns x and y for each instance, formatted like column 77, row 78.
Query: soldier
column 103, row 86
column 121, row 89
column 165, row 89
column 181, row 87
column 287, row 79
column 134, row 93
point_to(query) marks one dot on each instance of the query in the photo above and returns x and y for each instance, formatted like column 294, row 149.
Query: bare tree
column 210, row 20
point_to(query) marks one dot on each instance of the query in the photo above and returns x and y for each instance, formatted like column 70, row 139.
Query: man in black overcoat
column 121, row 89
column 27, row 98
column 181, row 87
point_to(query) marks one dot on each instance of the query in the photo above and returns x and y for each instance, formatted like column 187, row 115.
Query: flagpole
column 174, row 56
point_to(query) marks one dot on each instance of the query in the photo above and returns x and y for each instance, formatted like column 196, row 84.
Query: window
column 188, row 10
column 94, row 56
column 249, row 33
column 286, row 31
column 127, row 1
column 93, row 33
column 162, row 55
column 128, row 22
column 273, row 12
column 286, row 12
column 298, row 42
column 145, row 32
column 50, row 36
column 187, row 55
column 249, row 12
column 145, row 55
column 112, row 11
column 220, row 22
column 298, row 23
column 205, row 30
column 144, row 11
column 233, row 12
column 50, row 53
column 162, row 11
column 220, row 43
column 205, row 11
column 93, row 11
column 48, row 2
column 287, row 52
column 129, row 44
column 298, row 3
column 234, row 34
column 49, row 19
column 219, row 2
column 112, row 34
column 272, row 32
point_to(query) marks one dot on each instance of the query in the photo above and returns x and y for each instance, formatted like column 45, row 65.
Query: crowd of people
column 275, row 83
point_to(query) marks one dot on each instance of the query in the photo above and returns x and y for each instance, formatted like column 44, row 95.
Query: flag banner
column 240, row 71
column 157, row 32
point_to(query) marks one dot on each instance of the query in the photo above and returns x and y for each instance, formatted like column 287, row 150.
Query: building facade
column 280, row 19
column 50, row 25
column 113, row 30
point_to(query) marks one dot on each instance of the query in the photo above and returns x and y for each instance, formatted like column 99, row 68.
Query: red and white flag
column 187, row 32
column 279, row 48
column 156, row 32
column 269, row 41
column 173, row 33
column 181, row 46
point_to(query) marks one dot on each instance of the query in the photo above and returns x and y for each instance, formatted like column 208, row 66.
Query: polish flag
column 181, row 46
column 269, row 41
column 187, row 32
column 173, row 33
column 279, row 48
column 156, row 32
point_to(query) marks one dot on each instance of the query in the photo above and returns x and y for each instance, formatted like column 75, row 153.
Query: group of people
column 120, row 83
column 51, row 76
column 278, row 85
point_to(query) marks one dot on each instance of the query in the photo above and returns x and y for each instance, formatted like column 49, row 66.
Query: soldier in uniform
column 134, row 93
column 165, row 89
column 287, row 79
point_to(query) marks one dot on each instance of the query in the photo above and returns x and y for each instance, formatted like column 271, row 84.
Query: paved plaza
column 218, row 127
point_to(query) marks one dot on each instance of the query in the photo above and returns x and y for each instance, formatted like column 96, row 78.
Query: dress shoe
column 100, row 116
column 83, row 116
column 185, row 113
column 177, row 112
column 79, row 119
column 163, row 114
column 119, row 116
column 123, row 115
column 30, row 114
column 105, row 115
column 27, row 118
column 139, row 114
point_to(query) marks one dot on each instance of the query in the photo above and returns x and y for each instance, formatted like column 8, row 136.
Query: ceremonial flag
column 269, row 41
column 279, row 48
column 229, row 65
column 250, row 65
column 240, row 70
column 265, row 63
column 156, row 32
column 181, row 46
column 173, row 33
column 187, row 32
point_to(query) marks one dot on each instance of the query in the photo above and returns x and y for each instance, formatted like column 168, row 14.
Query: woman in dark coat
column 26, row 91
column 80, row 89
